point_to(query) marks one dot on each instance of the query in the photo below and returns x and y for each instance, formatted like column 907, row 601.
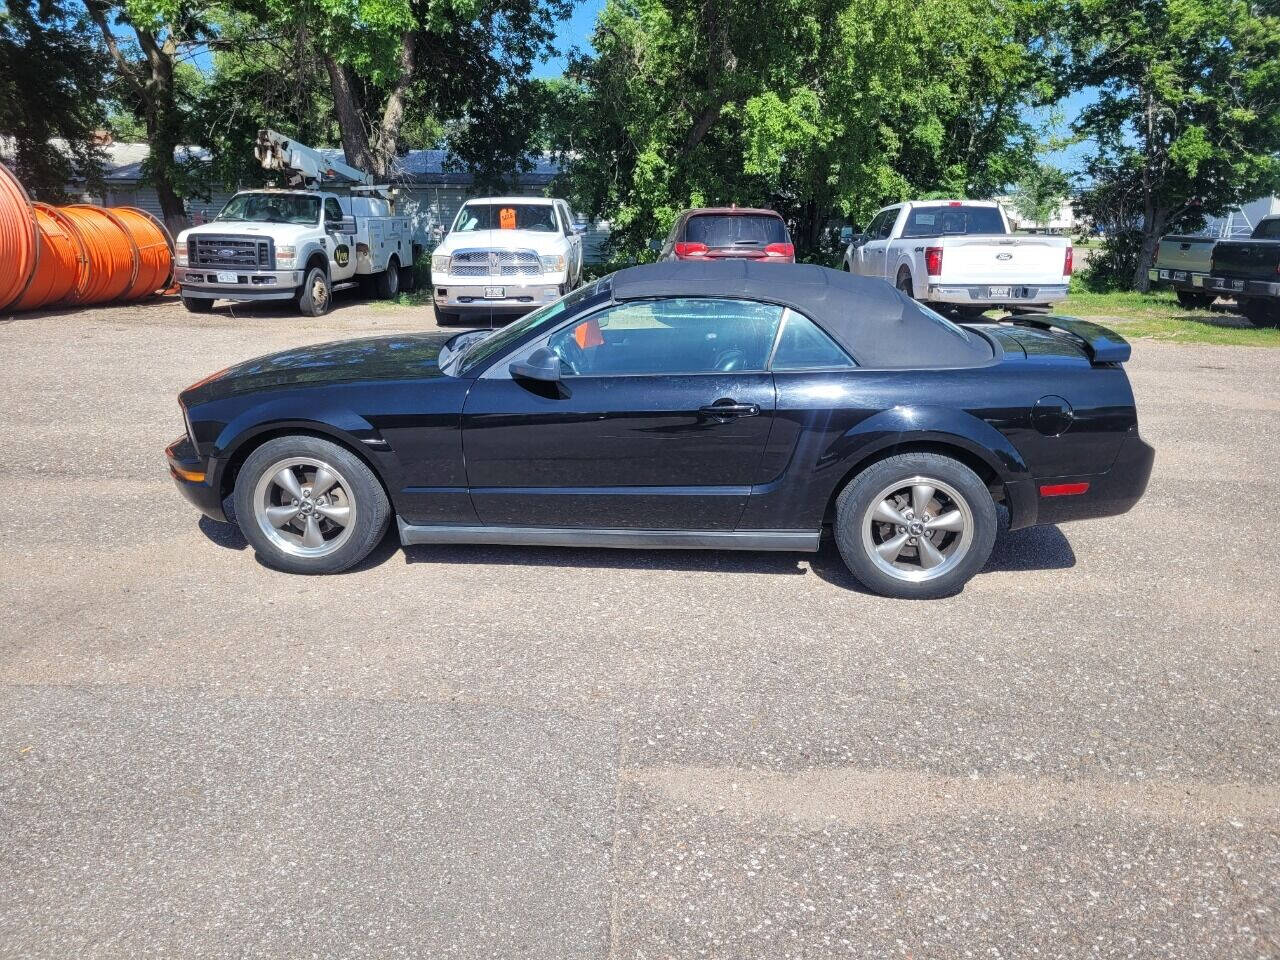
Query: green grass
column 1157, row 316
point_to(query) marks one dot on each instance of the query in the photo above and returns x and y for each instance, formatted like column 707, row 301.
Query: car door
column 341, row 258
column 575, row 243
column 659, row 421
column 875, row 250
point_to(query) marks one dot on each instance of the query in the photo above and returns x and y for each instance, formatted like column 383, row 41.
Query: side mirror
column 541, row 365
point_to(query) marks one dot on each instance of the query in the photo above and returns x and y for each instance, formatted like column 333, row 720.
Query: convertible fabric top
column 875, row 323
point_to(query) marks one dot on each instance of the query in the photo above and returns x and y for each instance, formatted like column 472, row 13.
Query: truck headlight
column 553, row 264
column 181, row 255
column 440, row 263
column 286, row 255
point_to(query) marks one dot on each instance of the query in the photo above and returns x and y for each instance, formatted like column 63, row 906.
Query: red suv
column 717, row 233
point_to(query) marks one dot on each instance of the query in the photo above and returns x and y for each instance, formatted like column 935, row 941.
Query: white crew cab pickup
column 961, row 254
column 505, row 256
column 297, row 245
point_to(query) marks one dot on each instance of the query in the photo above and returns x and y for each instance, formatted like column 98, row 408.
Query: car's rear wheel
column 904, row 284
column 915, row 526
column 1260, row 312
column 387, row 283
column 308, row 505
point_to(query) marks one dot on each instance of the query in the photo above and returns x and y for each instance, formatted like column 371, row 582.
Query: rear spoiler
column 1101, row 344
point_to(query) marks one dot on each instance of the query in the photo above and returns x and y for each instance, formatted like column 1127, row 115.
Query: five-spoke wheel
column 917, row 525
column 308, row 505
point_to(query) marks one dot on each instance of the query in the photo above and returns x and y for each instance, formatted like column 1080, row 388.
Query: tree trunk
column 1153, row 222
column 355, row 138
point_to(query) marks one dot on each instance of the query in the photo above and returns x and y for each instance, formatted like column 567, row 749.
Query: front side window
column 802, row 345
column 886, row 225
column 271, row 208
column 684, row 335
column 332, row 209
column 540, row 217
column 490, row 344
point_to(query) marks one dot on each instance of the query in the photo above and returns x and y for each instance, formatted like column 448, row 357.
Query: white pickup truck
column 297, row 245
column 505, row 256
column 961, row 254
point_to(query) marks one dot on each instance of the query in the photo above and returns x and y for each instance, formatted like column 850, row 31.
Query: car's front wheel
column 315, row 296
column 308, row 505
column 915, row 526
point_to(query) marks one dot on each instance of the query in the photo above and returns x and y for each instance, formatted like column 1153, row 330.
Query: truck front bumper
column 201, row 283
column 1178, row 279
column 995, row 295
column 499, row 296
column 1247, row 288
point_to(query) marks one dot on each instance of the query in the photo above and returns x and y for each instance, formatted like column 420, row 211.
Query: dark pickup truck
column 1249, row 270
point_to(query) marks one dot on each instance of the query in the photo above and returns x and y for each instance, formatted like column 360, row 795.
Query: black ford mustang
column 727, row 405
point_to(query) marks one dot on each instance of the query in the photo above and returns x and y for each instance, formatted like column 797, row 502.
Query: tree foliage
column 1187, row 118
column 1039, row 192
column 52, row 94
column 818, row 108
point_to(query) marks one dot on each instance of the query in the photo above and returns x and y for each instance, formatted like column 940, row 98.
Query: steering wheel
column 571, row 355
column 728, row 361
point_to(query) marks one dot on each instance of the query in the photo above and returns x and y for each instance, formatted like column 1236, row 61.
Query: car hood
column 401, row 357
column 541, row 240
column 280, row 232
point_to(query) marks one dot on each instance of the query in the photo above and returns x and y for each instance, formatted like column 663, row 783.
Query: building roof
column 124, row 163
column 877, row 324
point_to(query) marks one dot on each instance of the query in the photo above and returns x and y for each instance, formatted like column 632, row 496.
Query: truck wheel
column 408, row 281
column 387, row 285
column 1190, row 300
column 915, row 526
column 904, row 284
column 316, row 295
column 445, row 319
column 197, row 304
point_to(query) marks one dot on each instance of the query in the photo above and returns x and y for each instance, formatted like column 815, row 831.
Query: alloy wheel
column 304, row 506
column 917, row 529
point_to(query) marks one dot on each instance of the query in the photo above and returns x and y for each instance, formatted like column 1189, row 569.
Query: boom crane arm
column 304, row 165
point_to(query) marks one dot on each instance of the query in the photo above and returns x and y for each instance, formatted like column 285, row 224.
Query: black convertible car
column 728, row 405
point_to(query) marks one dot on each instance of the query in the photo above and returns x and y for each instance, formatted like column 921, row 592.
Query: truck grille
column 495, row 263
column 244, row 253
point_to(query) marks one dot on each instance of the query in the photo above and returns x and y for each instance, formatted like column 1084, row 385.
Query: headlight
column 553, row 264
column 181, row 255
column 440, row 263
column 286, row 254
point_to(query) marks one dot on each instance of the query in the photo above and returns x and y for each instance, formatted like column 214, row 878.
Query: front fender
column 329, row 419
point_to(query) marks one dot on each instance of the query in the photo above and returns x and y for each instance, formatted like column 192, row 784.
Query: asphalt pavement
column 522, row 752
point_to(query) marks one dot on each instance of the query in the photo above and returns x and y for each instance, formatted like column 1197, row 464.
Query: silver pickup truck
column 1180, row 260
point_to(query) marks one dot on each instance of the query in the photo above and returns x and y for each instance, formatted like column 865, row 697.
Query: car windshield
column 272, row 208
column 735, row 230
column 491, row 344
column 540, row 217
column 958, row 220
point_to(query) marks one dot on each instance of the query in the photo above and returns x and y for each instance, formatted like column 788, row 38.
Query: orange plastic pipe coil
column 111, row 264
column 155, row 251
column 58, row 261
column 19, row 248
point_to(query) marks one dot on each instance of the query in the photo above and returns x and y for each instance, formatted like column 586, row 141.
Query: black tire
column 1190, row 300
column 857, row 529
column 360, row 491
column 315, row 296
column 408, row 280
column 1260, row 312
column 387, row 283
column 971, row 314
column 444, row 319
column 904, row 284
column 197, row 305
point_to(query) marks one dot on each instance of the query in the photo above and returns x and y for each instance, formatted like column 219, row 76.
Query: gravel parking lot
column 497, row 752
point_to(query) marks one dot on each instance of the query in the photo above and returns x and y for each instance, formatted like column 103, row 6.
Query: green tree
column 1039, row 192
column 1186, row 119
column 818, row 108
column 53, row 82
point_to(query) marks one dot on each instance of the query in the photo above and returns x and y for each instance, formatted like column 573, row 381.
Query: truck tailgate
column 1184, row 253
column 1247, row 259
column 1014, row 260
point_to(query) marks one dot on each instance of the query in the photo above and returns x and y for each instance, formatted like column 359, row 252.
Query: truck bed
column 1247, row 259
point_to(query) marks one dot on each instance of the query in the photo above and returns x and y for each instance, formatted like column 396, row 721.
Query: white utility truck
column 961, row 255
column 299, row 243
column 505, row 256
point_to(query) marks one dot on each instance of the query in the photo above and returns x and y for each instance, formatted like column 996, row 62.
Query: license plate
column 998, row 292
column 495, row 293
column 228, row 278
column 1235, row 284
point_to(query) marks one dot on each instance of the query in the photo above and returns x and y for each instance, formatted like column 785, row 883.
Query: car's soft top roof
column 877, row 324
